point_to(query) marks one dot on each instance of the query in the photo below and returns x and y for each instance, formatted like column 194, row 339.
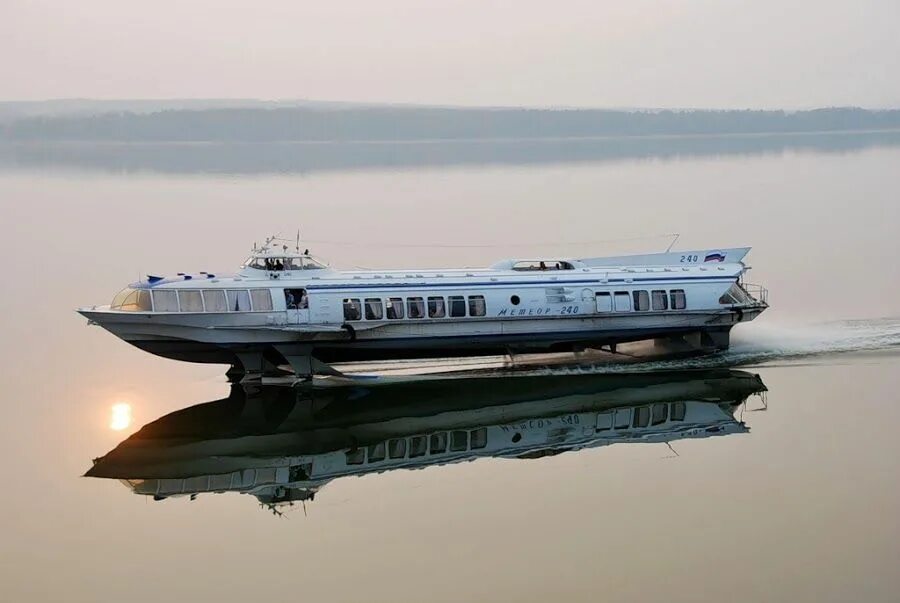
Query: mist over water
column 800, row 500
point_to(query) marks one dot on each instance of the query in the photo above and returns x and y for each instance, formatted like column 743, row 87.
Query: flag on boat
column 714, row 257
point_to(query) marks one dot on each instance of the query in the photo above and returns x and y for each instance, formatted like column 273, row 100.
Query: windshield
column 282, row 264
column 132, row 300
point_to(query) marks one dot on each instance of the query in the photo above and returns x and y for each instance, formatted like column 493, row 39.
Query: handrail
column 756, row 292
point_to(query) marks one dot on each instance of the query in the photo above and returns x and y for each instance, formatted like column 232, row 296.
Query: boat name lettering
column 530, row 424
column 570, row 419
column 537, row 311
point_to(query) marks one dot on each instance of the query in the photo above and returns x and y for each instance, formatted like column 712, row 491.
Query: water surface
column 798, row 503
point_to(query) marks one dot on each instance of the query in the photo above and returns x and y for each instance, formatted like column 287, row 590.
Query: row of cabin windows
column 193, row 300
column 396, row 308
column 641, row 301
column 641, row 416
column 420, row 445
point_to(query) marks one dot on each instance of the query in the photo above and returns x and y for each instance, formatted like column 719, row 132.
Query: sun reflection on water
column 120, row 416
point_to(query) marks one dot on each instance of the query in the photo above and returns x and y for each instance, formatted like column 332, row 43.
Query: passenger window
column 476, row 305
column 457, row 306
column 438, row 442
column 165, row 301
column 478, row 437
column 679, row 409
column 215, row 300
column 660, row 300
column 436, row 308
column 397, row 448
column 417, row 446
column 623, row 418
column 376, row 452
column 296, row 299
column 352, row 309
column 357, row 456
column 415, row 307
column 623, row 301
column 641, row 300
column 604, row 421
column 374, row 309
column 262, row 300
column 660, row 413
column 459, row 440
column 190, row 301
column 678, row 299
column 641, row 416
column 395, row 308
column 604, row 301
column 238, row 300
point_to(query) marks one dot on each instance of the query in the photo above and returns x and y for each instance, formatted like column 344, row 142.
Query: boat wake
column 767, row 344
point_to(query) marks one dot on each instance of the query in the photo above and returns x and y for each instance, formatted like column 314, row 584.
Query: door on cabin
column 296, row 303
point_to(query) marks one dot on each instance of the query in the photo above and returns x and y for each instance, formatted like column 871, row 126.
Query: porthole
column 514, row 300
column 517, row 437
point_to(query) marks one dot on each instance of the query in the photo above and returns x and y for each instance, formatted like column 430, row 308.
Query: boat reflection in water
column 282, row 444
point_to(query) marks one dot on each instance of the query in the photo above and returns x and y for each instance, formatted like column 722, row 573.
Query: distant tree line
column 419, row 123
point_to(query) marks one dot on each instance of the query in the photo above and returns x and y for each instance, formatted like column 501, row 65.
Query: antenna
column 298, row 241
column 672, row 244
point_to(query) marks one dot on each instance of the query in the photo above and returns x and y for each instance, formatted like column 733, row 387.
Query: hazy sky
column 700, row 53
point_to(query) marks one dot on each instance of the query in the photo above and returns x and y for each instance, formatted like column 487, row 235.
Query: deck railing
column 757, row 292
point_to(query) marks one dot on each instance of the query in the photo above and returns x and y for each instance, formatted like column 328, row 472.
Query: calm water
column 793, row 496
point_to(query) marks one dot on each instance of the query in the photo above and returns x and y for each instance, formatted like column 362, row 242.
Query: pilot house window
column 352, row 309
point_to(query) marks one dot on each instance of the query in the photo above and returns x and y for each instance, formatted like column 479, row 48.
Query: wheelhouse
column 283, row 263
